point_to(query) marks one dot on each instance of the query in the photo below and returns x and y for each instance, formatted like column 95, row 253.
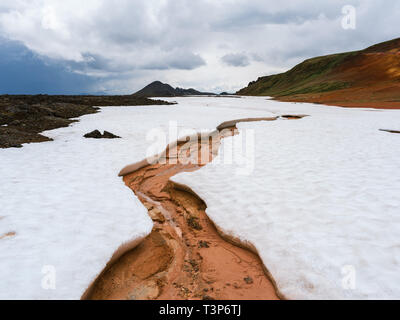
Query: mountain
column 159, row 89
column 365, row 78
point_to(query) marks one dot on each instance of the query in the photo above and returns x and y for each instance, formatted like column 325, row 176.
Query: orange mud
column 185, row 256
column 7, row 235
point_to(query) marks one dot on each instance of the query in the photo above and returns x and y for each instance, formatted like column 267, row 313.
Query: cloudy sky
column 119, row 46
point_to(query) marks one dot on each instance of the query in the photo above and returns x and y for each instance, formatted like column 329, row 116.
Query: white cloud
column 129, row 42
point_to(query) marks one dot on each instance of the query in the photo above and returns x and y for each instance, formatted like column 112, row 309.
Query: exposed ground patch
column 185, row 256
column 7, row 235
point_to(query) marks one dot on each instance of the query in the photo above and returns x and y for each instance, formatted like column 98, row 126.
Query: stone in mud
column 194, row 265
column 194, row 223
column 248, row 280
column 203, row 244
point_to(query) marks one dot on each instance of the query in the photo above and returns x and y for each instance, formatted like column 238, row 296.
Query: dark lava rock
column 96, row 134
column 194, row 265
column 194, row 223
column 24, row 117
column 248, row 280
column 11, row 137
column 203, row 244
column 109, row 135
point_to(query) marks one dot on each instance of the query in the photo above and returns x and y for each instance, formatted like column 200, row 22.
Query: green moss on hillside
column 310, row 76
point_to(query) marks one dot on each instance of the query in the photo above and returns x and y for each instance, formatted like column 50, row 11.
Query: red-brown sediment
column 374, row 75
column 185, row 256
column 7, row 235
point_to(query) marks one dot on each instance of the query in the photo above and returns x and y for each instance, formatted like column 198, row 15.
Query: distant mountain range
column 365, row 78
column 159, row 89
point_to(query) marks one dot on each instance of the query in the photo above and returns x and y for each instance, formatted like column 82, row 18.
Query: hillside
column 159, row 89
column 365, row 78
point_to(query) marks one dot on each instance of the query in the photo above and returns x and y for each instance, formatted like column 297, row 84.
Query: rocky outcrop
column 22, row 117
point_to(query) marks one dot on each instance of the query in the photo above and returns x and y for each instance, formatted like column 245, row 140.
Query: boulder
column 96, row 134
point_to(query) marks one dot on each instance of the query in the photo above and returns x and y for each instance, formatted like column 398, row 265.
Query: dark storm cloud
column 22, row 72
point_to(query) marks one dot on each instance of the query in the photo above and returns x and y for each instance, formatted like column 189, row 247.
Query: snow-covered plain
column 323, row 197
column 322, row 205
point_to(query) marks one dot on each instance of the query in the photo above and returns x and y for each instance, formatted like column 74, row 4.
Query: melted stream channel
column 185, row 256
